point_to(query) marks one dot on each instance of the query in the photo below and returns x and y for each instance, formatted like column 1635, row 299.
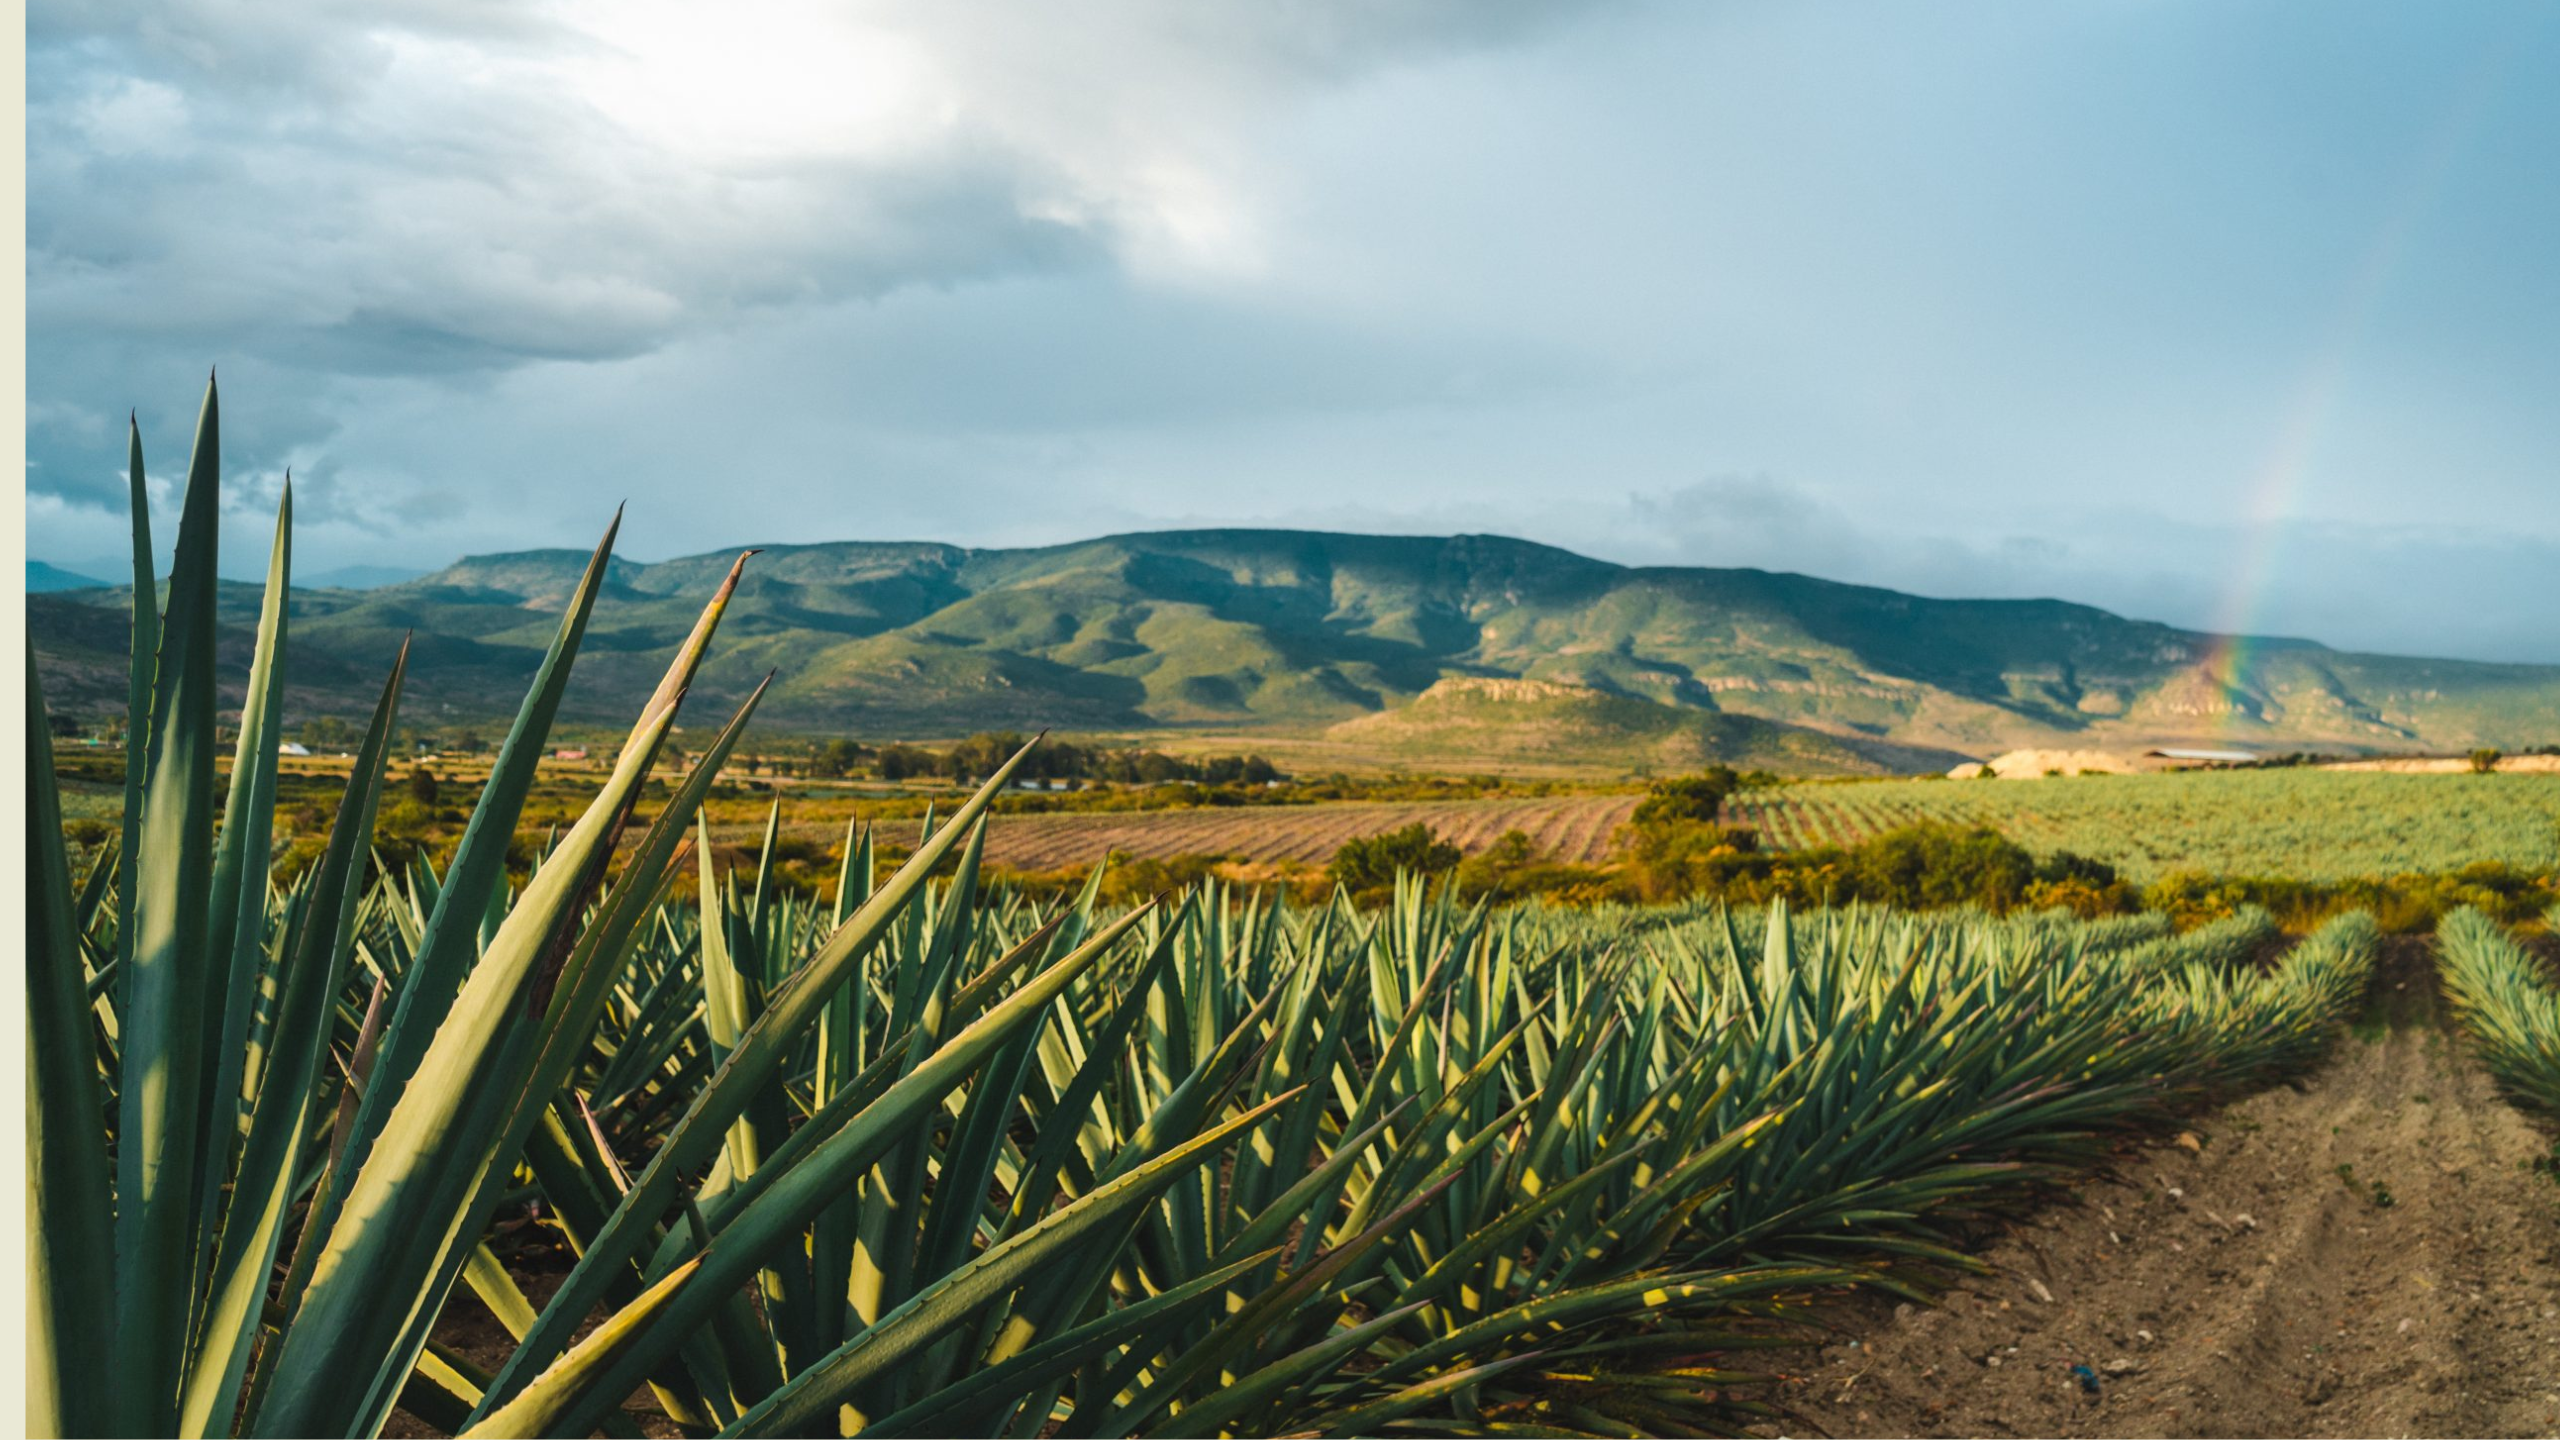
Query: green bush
column 1369, row 865
column 835, row 759
column 1928, row 866
column 1690, row 799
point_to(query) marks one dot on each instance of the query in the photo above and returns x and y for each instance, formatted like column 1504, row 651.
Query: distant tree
column 422, row 785
column 835, row 759
column 1372, row 862
column 974, row 759
column 1690, row 799
column 2484, row 761
column 900, row 762
column 327, row 732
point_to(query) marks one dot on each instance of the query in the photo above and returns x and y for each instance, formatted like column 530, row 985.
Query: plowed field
column 1562, row 827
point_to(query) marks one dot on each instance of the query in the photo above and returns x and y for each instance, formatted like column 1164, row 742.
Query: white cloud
column 435, row 187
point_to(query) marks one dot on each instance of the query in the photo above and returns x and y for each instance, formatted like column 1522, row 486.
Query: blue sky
column 2220, row 314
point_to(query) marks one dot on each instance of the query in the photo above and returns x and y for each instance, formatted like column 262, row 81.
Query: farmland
column 2308, row 823
column 2311, row 824
column 993, row 1162
column 1574, row 828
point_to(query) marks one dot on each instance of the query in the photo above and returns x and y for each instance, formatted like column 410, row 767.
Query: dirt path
column 2369, row 1254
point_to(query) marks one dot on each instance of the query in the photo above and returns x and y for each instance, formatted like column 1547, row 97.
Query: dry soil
column 2371, row 1252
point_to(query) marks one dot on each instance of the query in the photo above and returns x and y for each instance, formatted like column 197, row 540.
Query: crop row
column 2509, row 1002
column 1574, row 828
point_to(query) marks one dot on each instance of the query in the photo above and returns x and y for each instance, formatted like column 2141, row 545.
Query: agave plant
column 2506, row 1002
column 184, row 1107
column 189, row 1139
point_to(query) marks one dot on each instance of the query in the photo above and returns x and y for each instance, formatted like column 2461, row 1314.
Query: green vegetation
column 1369, row 867
column 1923, row 866
column 1695, row 799
column 2306, row 824
column 2373, row 1192
column 1926, row 866
column 926, row 1156
column 2508, row 1000
column 970, row 760
column 1678, row 843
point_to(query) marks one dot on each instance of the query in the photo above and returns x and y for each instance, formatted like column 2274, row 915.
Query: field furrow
column 1572, row 828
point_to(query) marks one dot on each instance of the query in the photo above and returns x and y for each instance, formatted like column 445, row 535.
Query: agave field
column 924, row 1157
column 2307, row 823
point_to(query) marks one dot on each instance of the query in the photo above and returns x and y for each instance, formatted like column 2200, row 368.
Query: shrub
column 835, row 759
column 1127, row 881
column 1370, row 864
column 2082, row 897
column 1511, row 869
column 904, row 762
column 328, row 733
column 1674, row 861
column 1690, row 799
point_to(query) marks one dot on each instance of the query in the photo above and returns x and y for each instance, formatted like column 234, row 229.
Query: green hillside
column 43, row 578
column 1322, row 633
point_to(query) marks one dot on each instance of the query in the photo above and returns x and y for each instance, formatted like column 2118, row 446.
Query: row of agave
column 924, row 1158
column 2508, row 1001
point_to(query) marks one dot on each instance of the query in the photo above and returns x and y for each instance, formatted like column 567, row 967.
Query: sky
column 2235, row 316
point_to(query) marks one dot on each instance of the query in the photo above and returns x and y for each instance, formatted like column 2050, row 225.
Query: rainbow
column 2274, row 489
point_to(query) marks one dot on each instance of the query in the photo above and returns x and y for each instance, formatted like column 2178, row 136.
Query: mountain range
column 44, row 579
column 1429, row 647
